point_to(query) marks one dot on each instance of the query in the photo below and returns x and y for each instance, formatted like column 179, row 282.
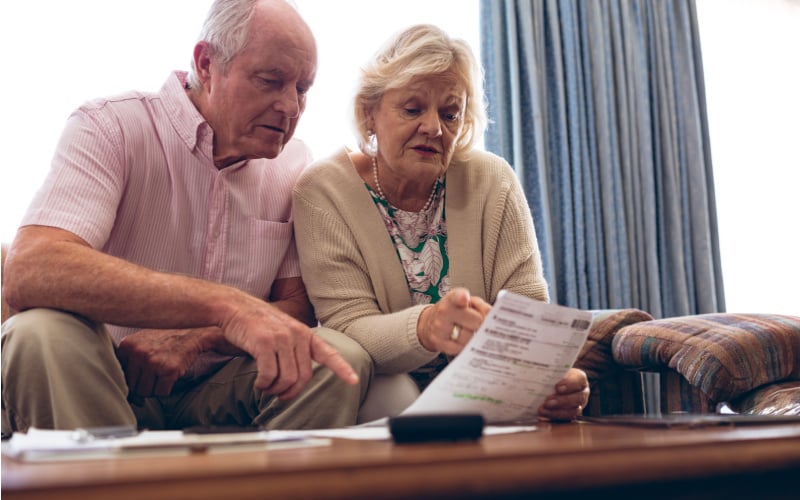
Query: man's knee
column 48, row 359
column 38, row 342
column 350, row 350
column 29, row 332
column 36, row 331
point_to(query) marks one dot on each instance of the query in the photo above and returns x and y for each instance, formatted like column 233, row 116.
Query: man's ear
column 202, row 61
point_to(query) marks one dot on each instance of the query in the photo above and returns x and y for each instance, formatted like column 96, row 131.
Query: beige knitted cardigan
column 353, row 275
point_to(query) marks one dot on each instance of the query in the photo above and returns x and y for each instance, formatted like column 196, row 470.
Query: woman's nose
column 431, row 124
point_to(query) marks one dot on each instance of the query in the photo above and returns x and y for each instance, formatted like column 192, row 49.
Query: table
column 561, row 461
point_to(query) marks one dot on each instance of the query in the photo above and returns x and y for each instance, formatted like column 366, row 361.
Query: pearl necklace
column 380, row 191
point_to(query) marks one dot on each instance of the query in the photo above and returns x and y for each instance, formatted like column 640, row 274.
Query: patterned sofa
column 748, row 362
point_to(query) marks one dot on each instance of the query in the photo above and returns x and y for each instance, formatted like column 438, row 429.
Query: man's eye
column 412, row 111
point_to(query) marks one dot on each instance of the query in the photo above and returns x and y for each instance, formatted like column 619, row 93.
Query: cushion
column 782, row 398
column 724, row 355
column 595, row 357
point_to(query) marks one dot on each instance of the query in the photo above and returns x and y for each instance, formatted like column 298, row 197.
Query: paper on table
column 512, row 363
column 382, row 432
column 56, row 445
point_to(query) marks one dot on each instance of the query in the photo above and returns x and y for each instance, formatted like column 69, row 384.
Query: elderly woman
column 405, row 244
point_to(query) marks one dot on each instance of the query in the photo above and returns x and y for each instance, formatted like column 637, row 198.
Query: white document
column 44, row 445
column 511, row 364
column 376, row 432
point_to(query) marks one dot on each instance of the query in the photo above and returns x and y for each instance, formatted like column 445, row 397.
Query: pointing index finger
column 323, row 353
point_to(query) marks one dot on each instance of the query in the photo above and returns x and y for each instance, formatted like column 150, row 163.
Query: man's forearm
column 298, row 309
column 290, row 296
column 52, row 268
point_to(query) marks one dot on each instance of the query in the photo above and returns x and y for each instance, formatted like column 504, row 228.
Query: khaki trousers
column 60, row 371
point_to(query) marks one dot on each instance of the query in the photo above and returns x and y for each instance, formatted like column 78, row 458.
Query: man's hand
column 282, row 347
column 153, row 360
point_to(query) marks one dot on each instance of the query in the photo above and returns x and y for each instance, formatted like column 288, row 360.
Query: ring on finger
column 455, row 333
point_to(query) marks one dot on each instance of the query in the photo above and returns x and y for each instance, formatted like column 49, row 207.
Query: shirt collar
column 186, row 119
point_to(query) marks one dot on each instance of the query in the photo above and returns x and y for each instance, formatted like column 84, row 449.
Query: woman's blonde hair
column 419, row 51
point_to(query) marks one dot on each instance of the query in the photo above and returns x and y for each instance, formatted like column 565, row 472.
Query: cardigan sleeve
column 514, row 261
column 340, row 284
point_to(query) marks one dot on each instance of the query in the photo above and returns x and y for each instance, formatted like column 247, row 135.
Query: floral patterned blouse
column 420, row 239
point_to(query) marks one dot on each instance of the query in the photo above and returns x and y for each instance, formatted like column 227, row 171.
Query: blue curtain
column 600, row 107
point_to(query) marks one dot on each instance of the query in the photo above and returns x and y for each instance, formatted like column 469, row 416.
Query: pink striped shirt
column 133, row 176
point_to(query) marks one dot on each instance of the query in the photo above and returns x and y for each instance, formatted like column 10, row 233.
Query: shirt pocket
column 257, row 253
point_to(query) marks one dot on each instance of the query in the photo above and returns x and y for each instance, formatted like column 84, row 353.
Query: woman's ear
column 369, row 122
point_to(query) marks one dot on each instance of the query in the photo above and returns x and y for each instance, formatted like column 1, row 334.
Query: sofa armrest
column 724, row 355
column 596, row 357
column 613, row 389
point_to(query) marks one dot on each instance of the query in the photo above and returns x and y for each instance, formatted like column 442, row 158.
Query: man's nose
column 289, row 102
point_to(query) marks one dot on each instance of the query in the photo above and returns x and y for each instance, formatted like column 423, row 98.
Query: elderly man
column 156, row 269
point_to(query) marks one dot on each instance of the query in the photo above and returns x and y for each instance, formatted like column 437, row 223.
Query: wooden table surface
column 560, row 461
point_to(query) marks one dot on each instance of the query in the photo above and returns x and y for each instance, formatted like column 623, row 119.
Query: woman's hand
column 449, row 324
column 570, row 398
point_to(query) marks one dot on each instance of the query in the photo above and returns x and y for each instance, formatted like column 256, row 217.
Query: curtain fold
column 600, row 107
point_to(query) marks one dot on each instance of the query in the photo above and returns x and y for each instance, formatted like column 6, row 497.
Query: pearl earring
column 371, row 147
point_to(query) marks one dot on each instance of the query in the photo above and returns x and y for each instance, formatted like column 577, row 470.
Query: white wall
column 348, row 33
column 59, row 53
column 751, row 56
